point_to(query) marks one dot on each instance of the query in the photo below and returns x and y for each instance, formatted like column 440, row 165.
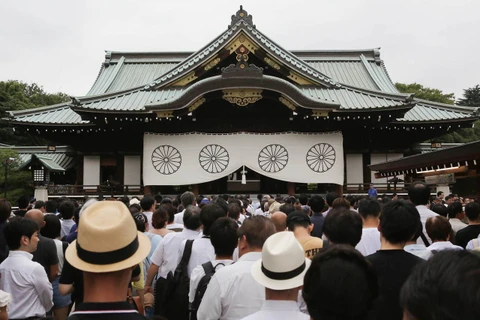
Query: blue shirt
column 372, row 193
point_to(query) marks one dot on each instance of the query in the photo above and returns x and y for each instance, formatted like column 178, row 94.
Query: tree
column 17, row 95
column 471, row 97
column 18, row 181
column 426, row 93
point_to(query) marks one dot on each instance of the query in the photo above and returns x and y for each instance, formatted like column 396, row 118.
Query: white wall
column 354, row 168
column 382, row 157
column 132, row 170
column 91, row 171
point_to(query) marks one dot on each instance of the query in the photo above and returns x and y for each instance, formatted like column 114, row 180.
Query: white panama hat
column 107, row 239
column 283, row 264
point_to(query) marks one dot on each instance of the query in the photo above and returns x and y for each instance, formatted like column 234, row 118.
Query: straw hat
column 107, row 240
column 283, row 264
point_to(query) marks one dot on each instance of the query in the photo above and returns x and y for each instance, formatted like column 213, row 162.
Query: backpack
column 209, row 270
column 175, row 296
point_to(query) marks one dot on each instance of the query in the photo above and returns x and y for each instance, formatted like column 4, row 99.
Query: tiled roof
column 432, row 112
column 53, row 161
column 55, row 114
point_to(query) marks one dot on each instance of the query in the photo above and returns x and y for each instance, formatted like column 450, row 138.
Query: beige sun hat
column 283, row 264
column 107, row 240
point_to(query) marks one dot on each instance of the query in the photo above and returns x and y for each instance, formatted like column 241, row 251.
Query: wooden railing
column 400, row 187
column 95, row 189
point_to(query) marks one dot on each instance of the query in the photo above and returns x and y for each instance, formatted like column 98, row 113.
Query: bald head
column 279, row 219
column 37, row 216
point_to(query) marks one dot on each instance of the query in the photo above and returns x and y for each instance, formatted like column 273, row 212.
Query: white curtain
column 191, row 158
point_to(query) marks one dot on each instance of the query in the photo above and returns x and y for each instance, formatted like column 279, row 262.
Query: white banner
column 191, row 158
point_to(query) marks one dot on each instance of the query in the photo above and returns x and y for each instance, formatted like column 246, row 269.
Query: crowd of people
column 232, row 257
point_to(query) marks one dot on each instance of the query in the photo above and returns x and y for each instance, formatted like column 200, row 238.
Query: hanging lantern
column 244, row 176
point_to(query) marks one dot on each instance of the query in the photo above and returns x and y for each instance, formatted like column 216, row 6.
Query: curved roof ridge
column 453, row 107
column 40, row 109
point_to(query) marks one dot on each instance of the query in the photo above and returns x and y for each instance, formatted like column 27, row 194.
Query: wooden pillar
column 195, row 189
column 147, row 190
column 338, row 189
column 291, row 188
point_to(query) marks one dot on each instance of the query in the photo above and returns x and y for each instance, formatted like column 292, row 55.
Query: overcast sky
column 60, row 44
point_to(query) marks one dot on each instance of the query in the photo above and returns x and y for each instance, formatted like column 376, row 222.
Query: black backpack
column 175, row 297
column 209, row 270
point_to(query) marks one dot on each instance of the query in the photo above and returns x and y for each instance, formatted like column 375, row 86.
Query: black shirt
column 466, row 234
column 393, row 268
column 46, row 253
column 317, row 219
column 20, row 212
column 97, row 310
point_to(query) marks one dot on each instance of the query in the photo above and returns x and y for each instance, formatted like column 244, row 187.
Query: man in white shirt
column 165, row 257
column 439, row 230
column 23, row 278
column 148, row 205
column 223, row 235
column 232, row 292
column 369, row 209
column 281, row 271
column 456, row 216
column 187, row 199
column 202, row 248
column 419, row 195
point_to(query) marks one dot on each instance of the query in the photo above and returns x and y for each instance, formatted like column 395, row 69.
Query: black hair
column 133, row 209
column 5, row 210
column 223, row 235
column 234, row 210
column 330, row 197
column 158, row 198
column 303, row 199
column 286, row 208
column 443, row 288
column 439, row 209
column 52, row 227
column 171, row 211
column 51, row 206
column 209, row 214
column 439, row 193
column 472, row 210
column 316, row 203
column 140, row 220
column 399, row 221
column 418, row 231
column 66, row 209
column 125, row 200
column 454, row 209
column 160, row 217
column 326, row 299
column 191, row 218
column 259, row 197
column 343, row 226
column 166, row 200
column 351, row 199
column 369, row 207
column 297, row 220
column 419, row 193
column 16, row 228
column 146, row 203
column 187, row 198
column 23, row 202
column 39, row 204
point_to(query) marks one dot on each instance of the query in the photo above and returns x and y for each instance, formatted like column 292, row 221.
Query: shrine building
column 240, row 115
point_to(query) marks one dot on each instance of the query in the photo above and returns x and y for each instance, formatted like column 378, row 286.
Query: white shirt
column 28, row 284
column 202, row 251
column 198, row 273
column 470, row 245
column 166, row 254
column 149, row 218
column 232, row 292
column 242, row 218
column 425, row 213
column 178, row 218
column 370, row 241
column 61, row 258
column 275, row 310
column 420, row 250
column 326, row 212
column 66, row 227
column 443, row 245
column 457, row 224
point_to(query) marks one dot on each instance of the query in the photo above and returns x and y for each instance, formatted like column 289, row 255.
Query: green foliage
column 471, row 97
column 17, row 95
column 426, row 93
column 19, row 182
